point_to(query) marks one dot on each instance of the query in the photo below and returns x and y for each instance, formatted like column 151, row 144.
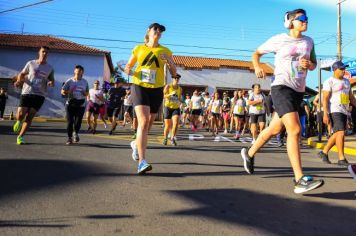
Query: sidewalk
column 350, row 144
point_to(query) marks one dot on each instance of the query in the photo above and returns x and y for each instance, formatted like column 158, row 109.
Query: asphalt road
column 196, row 188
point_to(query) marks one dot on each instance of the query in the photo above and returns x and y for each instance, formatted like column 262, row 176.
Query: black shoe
column 173, row 142
column 307, row 183
column 165, row 141
column 69, row 141
column 324, row 157
column 249, row 162
column 343, row 163
column 111, row 131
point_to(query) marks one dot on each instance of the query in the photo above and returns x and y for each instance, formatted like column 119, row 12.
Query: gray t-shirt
column 38, row 75
column 288, row 51
column 76, row 89
column 340, row 91
column 257, row 109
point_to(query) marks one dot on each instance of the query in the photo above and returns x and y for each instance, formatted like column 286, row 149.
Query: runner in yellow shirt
column 147, row 87
column 172, row 97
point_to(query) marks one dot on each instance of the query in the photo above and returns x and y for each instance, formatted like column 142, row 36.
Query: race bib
column 36, row 84
column 344, row 99
column 174, row 99
column 240, row 109
column 148, row 76
column 259, row 107
column 77, row 93
column 297, row 71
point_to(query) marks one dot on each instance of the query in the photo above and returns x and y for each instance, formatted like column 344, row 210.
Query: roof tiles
column 199, row 63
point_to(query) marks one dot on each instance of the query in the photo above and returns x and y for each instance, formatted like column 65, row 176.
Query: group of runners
column 294, row 57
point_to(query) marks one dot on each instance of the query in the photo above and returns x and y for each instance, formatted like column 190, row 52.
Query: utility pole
column 339, row 37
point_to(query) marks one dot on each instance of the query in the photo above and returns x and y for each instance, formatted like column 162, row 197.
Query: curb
column 314, row 144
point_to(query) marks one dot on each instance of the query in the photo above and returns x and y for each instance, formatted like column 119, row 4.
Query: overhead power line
column 26, row 6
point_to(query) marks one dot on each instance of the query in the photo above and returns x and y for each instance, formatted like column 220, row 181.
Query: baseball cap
column 338, row 65
column 160, row 27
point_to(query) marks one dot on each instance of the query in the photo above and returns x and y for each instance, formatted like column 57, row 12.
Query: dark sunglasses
column 302, row 18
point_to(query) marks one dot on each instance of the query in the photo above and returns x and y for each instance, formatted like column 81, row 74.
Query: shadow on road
column 269, row 213
column 18, row 176
column 57, row 222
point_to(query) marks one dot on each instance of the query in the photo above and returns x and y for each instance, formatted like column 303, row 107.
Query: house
column 17, row 49
column 214, row 74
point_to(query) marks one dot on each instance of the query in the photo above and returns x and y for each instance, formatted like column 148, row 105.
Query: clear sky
column 210, row 28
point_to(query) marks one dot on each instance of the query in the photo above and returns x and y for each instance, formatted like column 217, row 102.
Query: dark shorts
column 151, row 97
column 338, row 121
column 128, row 109
column 216, row 115
column 113, row 111
column 239, row 116
column 196, row 112
column 93, row 108
column 169, row 113
column 285, row 99
column 31, row 101
column 260, row 118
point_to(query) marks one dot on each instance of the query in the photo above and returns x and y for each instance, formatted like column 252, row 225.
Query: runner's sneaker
column 76, row 138
column 165, row 141
column 253, row 141
column 307, row 183
column 249, row 162
column 280, row 144
column 69, row 141
column 143, row 167
column 225, row 131
column 110, row 132
column 17, row 126
column 352, row 170
column 343, row 163
column 20, row 140
column 134, row 151
column 173, row 142
column 324, row 157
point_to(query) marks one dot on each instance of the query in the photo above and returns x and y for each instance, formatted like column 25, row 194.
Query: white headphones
column 287, row 21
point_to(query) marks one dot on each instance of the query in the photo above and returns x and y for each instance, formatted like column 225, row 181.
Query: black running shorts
column 151, row 97
column 169, row 113
column 31, row 101
column 285, row 99
column 196, row 112
column 338, row 121
column 257, row 118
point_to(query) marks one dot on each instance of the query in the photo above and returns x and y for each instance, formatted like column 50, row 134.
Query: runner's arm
column 326, row 98
column 257, row 65
column 165, row 92
column 130, row 64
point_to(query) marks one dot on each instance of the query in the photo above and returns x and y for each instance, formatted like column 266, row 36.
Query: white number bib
column 148, row 76
column 297, row 71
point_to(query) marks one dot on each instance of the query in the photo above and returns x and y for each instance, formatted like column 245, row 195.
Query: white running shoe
column 134, row 151
column 253, row 141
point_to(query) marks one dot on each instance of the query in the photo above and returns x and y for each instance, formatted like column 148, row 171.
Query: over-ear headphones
column 287, row 21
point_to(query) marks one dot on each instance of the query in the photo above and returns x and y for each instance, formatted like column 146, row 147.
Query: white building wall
column 12, row 62
column 225, row 78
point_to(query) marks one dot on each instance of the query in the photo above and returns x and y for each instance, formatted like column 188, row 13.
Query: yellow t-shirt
column 149, row 72
column 173, row 101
